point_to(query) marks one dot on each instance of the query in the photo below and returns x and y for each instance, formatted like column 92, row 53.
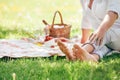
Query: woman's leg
column 66, row 51
column 80, row 53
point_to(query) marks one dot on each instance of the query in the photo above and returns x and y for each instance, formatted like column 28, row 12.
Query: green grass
column 58, row 68
column 28, row 15
column 19, row 17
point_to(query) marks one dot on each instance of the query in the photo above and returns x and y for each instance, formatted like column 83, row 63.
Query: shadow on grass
column 113, row 56
column 57, row 58
column 52, row 58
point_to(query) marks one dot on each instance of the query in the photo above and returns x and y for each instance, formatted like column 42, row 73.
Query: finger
column 98, row 41
column 90, row 36
column 101, row 40
column 93, row 38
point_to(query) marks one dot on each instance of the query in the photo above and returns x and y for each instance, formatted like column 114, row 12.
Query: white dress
column 93, row 17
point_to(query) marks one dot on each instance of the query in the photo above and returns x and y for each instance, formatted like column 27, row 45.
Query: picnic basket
column 60, row 29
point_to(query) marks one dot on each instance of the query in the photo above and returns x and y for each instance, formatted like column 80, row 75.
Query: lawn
column 20, row 17
column 17, row 17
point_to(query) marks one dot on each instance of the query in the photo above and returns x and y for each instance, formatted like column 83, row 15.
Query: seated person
column 104, row 17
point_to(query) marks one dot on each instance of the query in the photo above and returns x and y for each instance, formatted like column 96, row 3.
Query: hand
column 97, row 37
column 107, row 22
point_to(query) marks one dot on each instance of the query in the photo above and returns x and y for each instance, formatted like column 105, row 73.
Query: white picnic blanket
column 21, row 48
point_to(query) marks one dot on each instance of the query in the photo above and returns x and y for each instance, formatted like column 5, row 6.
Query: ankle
column 88, row 47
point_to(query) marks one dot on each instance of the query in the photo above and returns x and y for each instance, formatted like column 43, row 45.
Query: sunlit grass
column 59, row 68
column 29, row 14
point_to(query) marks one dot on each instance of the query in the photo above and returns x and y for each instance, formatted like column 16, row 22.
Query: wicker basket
column 61, row 29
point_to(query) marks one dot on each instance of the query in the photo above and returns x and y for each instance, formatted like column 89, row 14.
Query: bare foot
column 65, row 50
column 82, row 54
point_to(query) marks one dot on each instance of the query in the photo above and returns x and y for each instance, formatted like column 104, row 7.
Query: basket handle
column 55, row 16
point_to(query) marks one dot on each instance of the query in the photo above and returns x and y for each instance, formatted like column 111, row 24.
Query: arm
column 107, row 22
column 85, row 35
column 86, row 25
